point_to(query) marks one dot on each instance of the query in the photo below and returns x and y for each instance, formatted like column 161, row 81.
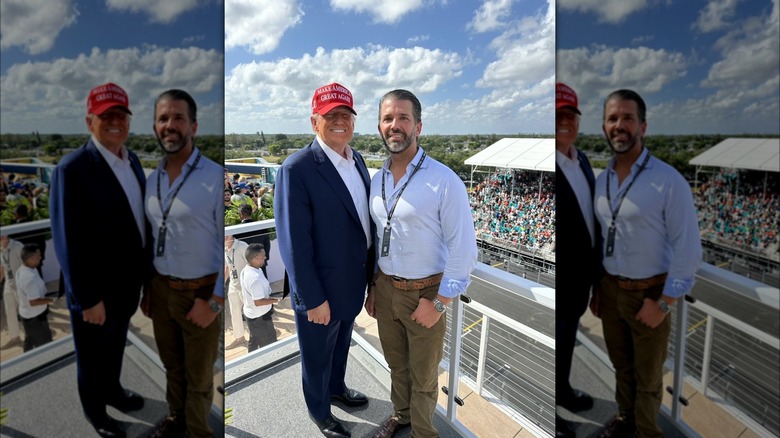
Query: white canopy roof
column 742, row 153
column 518, row 153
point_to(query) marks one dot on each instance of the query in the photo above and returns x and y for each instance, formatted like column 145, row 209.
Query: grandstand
column 737, row 203
column 514, row 206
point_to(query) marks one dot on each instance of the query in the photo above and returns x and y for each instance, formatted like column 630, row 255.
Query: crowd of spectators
column 735, row 208
column 22, row 199
column 511, row 208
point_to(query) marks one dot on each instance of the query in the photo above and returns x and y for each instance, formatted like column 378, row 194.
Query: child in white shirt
column 258, row 308
column 33, row 304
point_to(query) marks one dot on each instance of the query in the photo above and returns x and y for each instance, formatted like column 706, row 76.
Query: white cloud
column 34, row 25
column 715, row 15
column 259, row 25
column 417, row 39
column 749, row 53
column 56, row 91
column 607, row 11
column 491, row 15
column 594, row 73
column 275, row 96
column 382, row 12
column 158, row 11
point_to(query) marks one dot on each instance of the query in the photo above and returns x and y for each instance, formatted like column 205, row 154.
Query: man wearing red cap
column 102, row 294
column 577, row 229
column 324, row 231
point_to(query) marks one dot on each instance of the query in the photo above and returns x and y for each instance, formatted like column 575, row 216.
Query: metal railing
column 727, row 359
column 506, row 362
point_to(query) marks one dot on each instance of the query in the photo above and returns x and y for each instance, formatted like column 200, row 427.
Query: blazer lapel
column 332, row 177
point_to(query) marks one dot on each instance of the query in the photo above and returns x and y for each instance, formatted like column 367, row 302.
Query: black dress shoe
column 128, row 401
column 108, row 428
column 563, row 428
column 575, row 401
column 351, row 398
column 331, row 427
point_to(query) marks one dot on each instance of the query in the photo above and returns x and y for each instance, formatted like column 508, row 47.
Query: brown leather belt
column 641, row 284
column 417, row 284
column 177, row 283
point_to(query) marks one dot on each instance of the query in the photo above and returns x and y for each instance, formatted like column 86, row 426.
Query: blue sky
column 703, row 67
column 55, row 51
column 477, row 66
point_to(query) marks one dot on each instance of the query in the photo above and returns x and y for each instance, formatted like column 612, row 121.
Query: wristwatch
column 663, row 305
column 215, row 306
column 438, row 305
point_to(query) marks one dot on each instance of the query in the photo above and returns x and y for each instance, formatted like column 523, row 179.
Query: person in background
column 10, row 262
column 235, row 261
column 33, row 304
column 258, row 304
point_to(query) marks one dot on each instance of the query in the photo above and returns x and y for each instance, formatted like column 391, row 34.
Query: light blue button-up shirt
column 194, row 242
column 432, row 226
column 657, row 228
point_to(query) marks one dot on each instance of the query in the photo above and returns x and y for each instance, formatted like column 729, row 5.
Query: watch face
column 663, row 305
column 438, row 305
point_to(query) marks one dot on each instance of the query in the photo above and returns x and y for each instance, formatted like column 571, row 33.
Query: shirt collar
column 109, row 156
column 412, row 164
column 334, row 156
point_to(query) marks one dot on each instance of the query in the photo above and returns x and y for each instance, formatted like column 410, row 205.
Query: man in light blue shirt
column 184, row 205
column 652, row 250
column 426, row 250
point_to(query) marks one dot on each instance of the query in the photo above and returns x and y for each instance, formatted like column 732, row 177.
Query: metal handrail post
column 482, row 353
column 707, row 355
column 456, row 346
column 679, row 359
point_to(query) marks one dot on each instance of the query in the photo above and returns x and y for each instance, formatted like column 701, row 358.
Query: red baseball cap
column 565, row 97
column 331, row 96
column 106, row 96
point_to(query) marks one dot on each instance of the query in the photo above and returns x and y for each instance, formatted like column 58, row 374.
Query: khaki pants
column 637, row 352
column 188, row 353
column 413, row 353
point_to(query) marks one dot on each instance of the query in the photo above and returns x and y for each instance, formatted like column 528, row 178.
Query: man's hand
column 320, row 314
column 594, row 301
column 146, row 302
column 650, row 314
column 95, row 314
column 201, row 314
column 370, row 302
column 425, row 314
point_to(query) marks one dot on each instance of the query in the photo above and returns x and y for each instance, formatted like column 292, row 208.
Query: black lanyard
column 7, row 261
column 612, row 227
column 386, row 235
column 233, row 271
column 165, row 212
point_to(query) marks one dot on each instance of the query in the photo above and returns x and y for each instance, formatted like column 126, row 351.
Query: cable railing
column 731, row 362
column 505, row 361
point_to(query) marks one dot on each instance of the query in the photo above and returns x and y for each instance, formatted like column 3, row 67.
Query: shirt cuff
column 451, row 288
column 676, row 288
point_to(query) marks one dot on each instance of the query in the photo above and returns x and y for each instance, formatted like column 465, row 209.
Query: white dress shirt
column 126, row 177
column 432, row 225
column 29, row 286
column 194, row 242
column 350, row 174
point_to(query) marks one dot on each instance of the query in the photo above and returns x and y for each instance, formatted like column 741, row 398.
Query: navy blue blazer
column 573, row 249
column 96, row 239
column 320, row 237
